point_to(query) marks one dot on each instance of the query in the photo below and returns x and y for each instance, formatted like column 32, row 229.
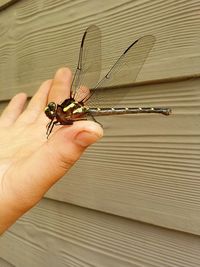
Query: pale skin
column 29, row 163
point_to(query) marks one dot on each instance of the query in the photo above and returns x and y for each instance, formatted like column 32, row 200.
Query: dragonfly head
column 50, row 110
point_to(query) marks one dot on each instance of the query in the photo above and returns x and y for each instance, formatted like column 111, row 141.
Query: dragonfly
column 85, row 100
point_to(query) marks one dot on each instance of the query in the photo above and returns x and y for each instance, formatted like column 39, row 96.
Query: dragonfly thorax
column 69, row 110
column 72, row 109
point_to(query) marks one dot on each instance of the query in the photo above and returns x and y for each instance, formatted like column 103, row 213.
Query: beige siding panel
column 147, row 167
column 38, row 36
column 6, row 3
column 62, row 235
column 4, row 263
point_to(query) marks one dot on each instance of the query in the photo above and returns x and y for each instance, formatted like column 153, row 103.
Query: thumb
column 66, row 146
column 49, row 163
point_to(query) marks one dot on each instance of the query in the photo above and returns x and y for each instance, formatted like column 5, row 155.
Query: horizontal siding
column 146, row 168
column 6, row 3
column 4, row 263
column 38, row 36
column 57, row 234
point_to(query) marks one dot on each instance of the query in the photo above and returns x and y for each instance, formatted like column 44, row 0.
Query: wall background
column 134, row 198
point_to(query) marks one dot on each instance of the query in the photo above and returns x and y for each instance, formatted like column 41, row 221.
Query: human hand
column 29, row 163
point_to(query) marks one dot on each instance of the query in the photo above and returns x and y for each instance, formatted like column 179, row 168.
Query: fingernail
column 86, row 138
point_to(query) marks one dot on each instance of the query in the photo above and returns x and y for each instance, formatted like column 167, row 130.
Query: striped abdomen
column 118, row 111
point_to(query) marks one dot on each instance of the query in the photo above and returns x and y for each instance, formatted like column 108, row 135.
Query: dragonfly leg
column 80, row 119
column 51, row 126
column 48, row 126
column 95, row 120
column 65, row 123
column 56, row 123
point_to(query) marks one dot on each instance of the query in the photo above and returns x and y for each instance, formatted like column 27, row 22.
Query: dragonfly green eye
column 50, row 110
column 52, row 106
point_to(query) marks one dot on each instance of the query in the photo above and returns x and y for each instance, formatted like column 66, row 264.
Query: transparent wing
column 89, row 64
column 124, row 71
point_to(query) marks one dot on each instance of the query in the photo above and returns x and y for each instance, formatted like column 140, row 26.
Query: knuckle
column 61, row 159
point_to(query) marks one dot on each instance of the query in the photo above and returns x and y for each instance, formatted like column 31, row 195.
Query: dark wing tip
column 146, row 38
column 92, row 27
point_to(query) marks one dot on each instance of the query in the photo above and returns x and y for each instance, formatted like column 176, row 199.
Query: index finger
column 60, row 89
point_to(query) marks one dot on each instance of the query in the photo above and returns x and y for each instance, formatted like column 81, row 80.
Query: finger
column 57, row 155
column 66, row 146
column 36, row 104
column 13, row 110
column 60, row 89
column 82, row 93
column 39, row 100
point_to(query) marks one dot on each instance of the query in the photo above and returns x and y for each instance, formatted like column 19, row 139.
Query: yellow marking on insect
column 78, row 110
column 98, row 109
column 46, row 108
column 112, row 109
column 69, row 106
